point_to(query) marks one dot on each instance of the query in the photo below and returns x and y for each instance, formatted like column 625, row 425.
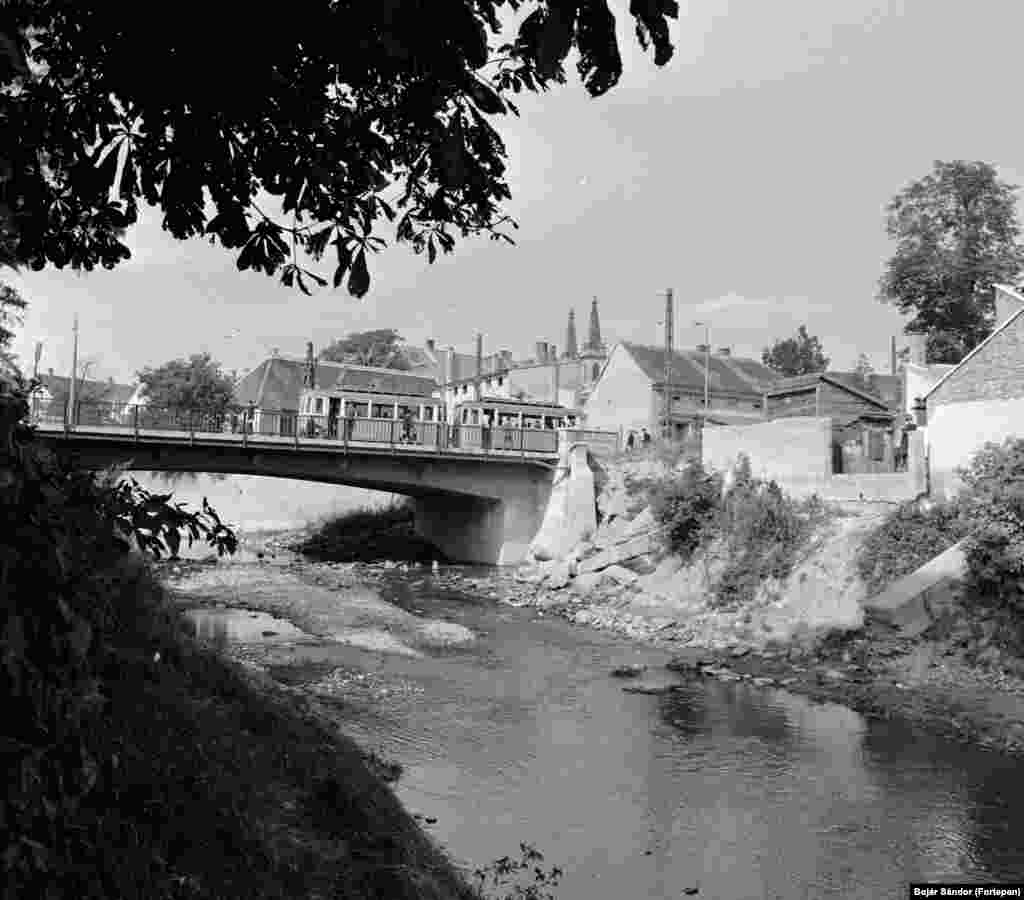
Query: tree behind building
column 956, row 234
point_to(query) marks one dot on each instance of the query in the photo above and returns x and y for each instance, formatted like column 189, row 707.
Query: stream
column 520, row 735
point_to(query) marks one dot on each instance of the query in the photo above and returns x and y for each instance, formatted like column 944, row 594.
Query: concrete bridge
column 475, row 501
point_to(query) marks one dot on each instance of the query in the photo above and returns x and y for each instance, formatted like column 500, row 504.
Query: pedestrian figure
column 630, row 442
column 646, row 439
column 407, row 420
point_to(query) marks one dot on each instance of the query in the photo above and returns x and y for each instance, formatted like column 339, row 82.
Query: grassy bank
column 140, row 762
column 369, row 534
column 210, row 783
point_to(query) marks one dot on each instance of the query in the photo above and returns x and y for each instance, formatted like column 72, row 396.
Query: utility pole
column 73, row 382
column 667, row 398
column 707, row 366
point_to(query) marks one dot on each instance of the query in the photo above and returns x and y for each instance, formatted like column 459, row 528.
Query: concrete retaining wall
column 956, row 430
column 795, row 452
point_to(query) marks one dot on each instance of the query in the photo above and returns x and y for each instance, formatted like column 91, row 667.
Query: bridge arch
column 477, row 509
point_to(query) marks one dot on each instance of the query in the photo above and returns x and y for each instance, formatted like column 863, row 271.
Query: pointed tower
column 309, row 376
column 594, row 343
column 570, row 337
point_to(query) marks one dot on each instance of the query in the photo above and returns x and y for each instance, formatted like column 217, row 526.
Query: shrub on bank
column 908, row 538
column 763, row 530
column 992, row 506
column 686, row 505
column 760, row 529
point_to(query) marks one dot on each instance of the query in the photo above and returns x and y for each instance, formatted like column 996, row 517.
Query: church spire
column 570, row 336
column 594, row 338
column 309, row 376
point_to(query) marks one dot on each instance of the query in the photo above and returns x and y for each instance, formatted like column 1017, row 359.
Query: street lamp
column 707, row 362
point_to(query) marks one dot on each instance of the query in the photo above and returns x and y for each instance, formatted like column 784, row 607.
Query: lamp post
column 707, row 363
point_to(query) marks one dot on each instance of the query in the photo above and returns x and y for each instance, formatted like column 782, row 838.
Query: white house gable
column 621, row 398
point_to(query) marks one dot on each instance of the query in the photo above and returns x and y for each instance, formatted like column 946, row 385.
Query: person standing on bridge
column 408, row 436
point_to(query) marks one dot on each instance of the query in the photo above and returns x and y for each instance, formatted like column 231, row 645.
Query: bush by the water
column 371, row 533
column 992, row 505
column 764, row 531
column 908, row 538
column 686, row 505
column 761, row 529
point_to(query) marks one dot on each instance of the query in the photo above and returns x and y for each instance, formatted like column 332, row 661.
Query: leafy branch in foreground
column 342, row 113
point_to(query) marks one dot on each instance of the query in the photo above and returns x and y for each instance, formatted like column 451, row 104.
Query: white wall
column 621, row 398
column 919, row 380
column 957, row 430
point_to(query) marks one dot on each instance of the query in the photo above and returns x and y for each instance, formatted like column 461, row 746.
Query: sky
column 750, row 175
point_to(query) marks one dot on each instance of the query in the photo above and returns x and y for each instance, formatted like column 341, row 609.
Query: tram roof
column 524, row 405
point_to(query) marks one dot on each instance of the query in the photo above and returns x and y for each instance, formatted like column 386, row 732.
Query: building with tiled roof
column 630, row 393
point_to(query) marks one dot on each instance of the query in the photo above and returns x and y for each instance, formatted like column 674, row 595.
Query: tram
column 500, row 424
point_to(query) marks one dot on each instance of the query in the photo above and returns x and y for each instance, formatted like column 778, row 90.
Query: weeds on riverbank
column 760, row 530
column 908, row 538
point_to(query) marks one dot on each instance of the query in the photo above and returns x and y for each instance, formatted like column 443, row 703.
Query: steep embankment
column 812, row 633
column 622, row 579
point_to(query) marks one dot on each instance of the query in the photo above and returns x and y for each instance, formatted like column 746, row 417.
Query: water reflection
column 753, row 793
column 221, row 625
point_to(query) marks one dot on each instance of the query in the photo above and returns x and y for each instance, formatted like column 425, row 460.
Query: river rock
column 587, row 583
column 559, row 576
column 620, row 574
column 617, row 554
column 644, row 521
column 629, row 671
column 646, row 687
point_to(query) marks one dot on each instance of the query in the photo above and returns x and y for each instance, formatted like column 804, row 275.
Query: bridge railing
column 300, row 428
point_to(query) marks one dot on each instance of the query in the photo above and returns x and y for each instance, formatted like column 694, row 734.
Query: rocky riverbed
column 930, row 681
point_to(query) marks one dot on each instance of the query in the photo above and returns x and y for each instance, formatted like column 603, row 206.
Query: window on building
column 383, row 411
column 319, row 405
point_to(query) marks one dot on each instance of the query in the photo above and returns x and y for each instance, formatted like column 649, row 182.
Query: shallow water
column 520, row 735
column 242, row 626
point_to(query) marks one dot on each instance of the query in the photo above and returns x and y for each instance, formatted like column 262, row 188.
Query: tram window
column 319, row 404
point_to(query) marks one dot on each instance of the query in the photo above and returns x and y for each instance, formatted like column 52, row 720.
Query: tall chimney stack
column 479, row 363
column 669, row 332
column 892, row 355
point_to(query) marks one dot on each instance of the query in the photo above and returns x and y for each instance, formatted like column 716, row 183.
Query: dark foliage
column 686, row 505
column 764, row 532
column 993, row 507
column 342, row 113
column 957, row 234
column 798, row 355
column 371, row 534
column 907, row 539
